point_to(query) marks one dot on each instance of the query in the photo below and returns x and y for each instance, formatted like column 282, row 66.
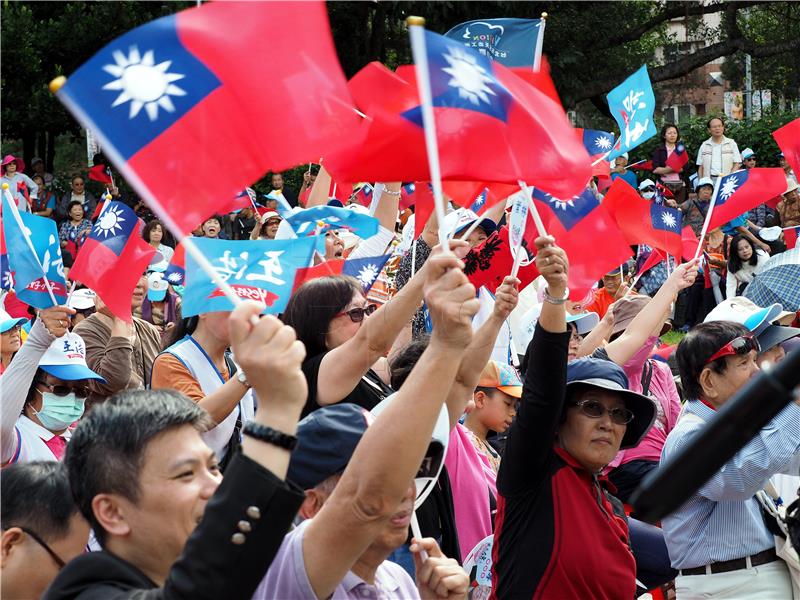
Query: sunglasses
column 357, row 314
column 81, row 392
column 595, row 409
column 736, row 347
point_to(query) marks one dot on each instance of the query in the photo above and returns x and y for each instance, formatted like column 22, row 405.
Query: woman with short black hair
column 670, row 142
column 744, row 261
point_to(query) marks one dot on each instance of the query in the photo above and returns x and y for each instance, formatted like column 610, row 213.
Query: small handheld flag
column 678, row 158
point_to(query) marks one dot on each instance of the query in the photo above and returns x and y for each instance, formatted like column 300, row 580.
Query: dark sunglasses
column 81, row 392
column 736, row 347
column 595, row 409
column 357, row 314
column 47, row 548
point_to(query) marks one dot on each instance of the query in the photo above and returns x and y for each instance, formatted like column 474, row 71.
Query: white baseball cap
column 647, row 183
column 156, row 287
column 8, row 322
column 522, row 329
column 82, row 299
column 703, row 181
column 747, row 153
column 745, row 312
column 66, row 359
column 770, row 234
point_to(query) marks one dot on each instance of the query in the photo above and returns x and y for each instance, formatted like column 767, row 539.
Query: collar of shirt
column 701, row 408
column 41, row 432
column 384, row 580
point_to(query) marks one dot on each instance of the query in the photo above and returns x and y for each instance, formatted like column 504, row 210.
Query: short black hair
column 76, row 203
column 700, row 344
column 106, row 452
column 734, row 262
column 664, row 131
column 148, row 228
column 402, row 362
column 313, row 306
column 715, row 117
column 36, row 495
column 216, row 218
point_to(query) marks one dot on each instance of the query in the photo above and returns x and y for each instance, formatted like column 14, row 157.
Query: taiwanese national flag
column 588, row 234
column 642, row 165
column 323, row 269
column 740, row 191
column 466, row 193
column 221, row 88
column 491, row 262
column 788, row 138
column 364, row 195
column 642, row 221
column 678, row 159
column 100, row 173
column 654, row 258
column 491, row 126
column 365, row 270
column 113, row 258
column 424, row 206
column 689, row 243
column 340, row 191
column 596, row 142
column 175, row 273
column 790, row 236
column 6, row 276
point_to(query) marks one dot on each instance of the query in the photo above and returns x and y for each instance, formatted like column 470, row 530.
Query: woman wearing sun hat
column 10, row 339
column 45, row 388
column 18, row 182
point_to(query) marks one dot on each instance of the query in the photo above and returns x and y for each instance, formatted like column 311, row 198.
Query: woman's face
column 76, row 212
column 156, row 235
column 10, row 340
column 11, row 168
column 342, row 327
column 671, row 135
column 211, row 228
column 40, row 182
column 575, row 340
column 334, row 246
column 477, row 237
column 272, row 228
column 744, row 249
column 593, row 442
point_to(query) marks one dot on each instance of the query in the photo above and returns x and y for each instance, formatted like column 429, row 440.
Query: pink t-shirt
column 471, row 479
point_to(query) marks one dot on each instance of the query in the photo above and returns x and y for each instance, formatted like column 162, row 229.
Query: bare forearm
column 388, row 203
column 319, row 193
column 223, row 400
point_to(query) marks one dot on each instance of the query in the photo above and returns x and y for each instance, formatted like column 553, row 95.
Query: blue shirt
column 730, row 227
column 722, row 520
column 629, row 177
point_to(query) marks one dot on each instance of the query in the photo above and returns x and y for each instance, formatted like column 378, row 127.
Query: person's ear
column 110, row 512
column 312, row 504
column 709, row 381
column 480, row 399
column 11, row 539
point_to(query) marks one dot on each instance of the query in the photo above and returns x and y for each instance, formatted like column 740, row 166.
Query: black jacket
column 212, row 565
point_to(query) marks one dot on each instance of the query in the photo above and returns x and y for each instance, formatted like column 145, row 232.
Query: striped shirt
column 722, row 520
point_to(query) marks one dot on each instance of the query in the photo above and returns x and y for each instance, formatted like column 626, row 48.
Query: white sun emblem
column 468, row 76
column 603, row 143
column 174, row 277
column 110, row 222
column 8, row 281
column 561, row 204
column 367, row 274
column 668, row 219
column 143, row 83
column 728, row 188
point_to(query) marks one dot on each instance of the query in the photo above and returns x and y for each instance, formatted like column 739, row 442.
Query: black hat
column 773, row 335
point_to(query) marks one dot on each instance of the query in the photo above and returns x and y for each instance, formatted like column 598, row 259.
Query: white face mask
column 648, row 195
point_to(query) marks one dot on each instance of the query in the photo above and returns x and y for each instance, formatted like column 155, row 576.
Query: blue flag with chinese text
column 319, row 219
column 511, row 42
column 632, row 104
column 260, row 270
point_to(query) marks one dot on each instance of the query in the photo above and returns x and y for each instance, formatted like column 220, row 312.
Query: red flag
column 643, row 221
column 489, row 263
column 100, row 173
column 652, row 260
column 790, row 237
column 540, row 79
column 678, row 159
column 423, row 206
column 788, row 138
column 743, row 190
column 235, row 107
column 113, row 258
column 323, row 269
column 464, row 193
column 528, row 138
column 689, row 243
column 642, row 165
column 340, row 191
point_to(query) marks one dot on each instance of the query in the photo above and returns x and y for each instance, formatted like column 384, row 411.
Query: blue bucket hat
column 607, row 375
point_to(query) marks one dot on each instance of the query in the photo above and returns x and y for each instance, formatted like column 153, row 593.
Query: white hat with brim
column 703, row 181
column 82, row 299
column 791, row 185
column 647, row 183
column 770, row 234
column 8, row 322
column 66, row 359
column 157, row 287
column 745, row 312
column 747, row 153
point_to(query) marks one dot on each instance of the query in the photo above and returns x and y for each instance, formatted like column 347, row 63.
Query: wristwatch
column 553, row 299
column 242, row 378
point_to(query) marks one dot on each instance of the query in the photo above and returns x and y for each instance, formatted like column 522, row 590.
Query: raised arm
column 651, row 316
column 369, row 494
column 480, row 349
column 319, row 192
column 388, row 204
column 531, row 436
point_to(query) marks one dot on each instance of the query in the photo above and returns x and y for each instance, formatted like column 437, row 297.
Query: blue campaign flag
column 319, row 219
column 511, row 42
column 632, row 104
column 365, row 270
column 29, row 270
column 284, row 208
column 260, row 270
column 570, row 211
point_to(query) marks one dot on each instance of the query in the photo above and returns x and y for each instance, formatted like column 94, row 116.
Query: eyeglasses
column 357, row 314
column 47, row 548
column 81, row 392
column 736, row 347
column 649, row 189
column 595, row 409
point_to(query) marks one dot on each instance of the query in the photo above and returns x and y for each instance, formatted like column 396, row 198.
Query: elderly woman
column 10, row 340
column 18, row 182
column 558, row 533
column 44, row 390
column 345, row 342
column 267, row 226
column 153, row 234
column 74, row 229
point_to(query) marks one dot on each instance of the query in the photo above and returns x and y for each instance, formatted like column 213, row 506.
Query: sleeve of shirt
column 530, row 439
column 699, row 160
column 737, row 156
column 109, row 357
column 52, row 202
column 766, row 454
column 373, row 246
column 170, row 373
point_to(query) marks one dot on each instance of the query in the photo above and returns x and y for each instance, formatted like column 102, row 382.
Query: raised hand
column 506, row 297
column 56, row 319
column 684, row 275
column 552, row 263
column 438, row 577
column 450, row 298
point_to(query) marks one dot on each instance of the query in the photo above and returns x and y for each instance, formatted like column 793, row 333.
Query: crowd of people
column 370, row 442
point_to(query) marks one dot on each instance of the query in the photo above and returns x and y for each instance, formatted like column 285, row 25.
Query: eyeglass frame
column 624, row 411
column 36, row 538
column 364, row 311
column 84, row 390
column 729, row 350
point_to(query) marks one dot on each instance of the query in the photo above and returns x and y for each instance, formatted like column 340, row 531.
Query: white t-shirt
column 716, row 159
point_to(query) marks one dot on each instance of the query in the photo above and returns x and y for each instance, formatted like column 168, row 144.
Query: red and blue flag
column 175, row 273
column 569, row 212
column 365, row 270
column 743, row 190
column 678, row 159
column 596, row 142
column 113, row 258
column 790, row 236
column 364, row 195
column 219, row 89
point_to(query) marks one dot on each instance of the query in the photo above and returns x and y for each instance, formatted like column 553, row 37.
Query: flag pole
column 15, row 213
column 416, row 32
column 708, row 217
column 537, row 219
column 537, row 53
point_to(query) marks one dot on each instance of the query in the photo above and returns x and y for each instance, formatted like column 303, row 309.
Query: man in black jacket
column 150, row 487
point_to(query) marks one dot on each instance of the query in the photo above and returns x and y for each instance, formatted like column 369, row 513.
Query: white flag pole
column 537, row 53
column 534, row 212
column 708, row 216
column 12, row 204
column 416, row 31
